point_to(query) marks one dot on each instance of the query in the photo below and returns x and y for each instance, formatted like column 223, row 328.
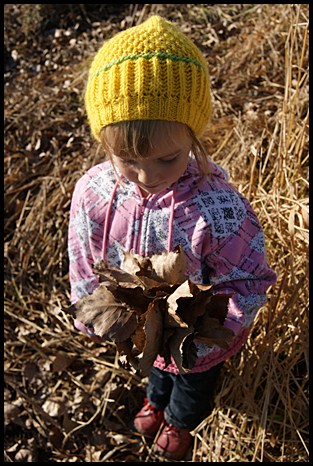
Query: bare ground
column 67, row 398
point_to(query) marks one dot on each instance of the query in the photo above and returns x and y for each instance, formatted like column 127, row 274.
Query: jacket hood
column 190, row 181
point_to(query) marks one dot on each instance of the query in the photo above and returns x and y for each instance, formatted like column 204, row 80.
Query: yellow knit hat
column 148, row 72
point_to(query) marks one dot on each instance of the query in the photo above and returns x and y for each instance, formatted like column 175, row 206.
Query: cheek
column 180, row 169
column 126, row 170
column 130, row 173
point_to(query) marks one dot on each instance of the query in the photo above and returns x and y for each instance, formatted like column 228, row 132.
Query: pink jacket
column 213, row 222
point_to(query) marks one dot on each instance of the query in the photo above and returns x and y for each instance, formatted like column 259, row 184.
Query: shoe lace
column 170, row 427
column 150, row 407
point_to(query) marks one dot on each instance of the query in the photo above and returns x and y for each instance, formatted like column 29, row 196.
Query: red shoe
column 149, row 419
column 173, row 442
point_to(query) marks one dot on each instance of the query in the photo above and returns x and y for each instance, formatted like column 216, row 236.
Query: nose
column 147, row 176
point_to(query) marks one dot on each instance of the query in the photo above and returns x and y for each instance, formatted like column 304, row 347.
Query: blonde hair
column 135, row 138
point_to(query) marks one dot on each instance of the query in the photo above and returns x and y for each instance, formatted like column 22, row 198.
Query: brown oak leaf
column 209, row 331
column 170, row 267
column 110, row 318
column 153, row 329
column 178, row 342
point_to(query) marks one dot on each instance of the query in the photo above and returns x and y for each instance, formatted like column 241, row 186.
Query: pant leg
column 159, row 388
column 192, row 398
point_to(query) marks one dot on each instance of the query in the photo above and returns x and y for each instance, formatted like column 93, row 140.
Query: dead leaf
column 136, row 264
column 53, row 408
column 115, row 275
column 31, row 371
column 217, row 306
column 153, row 329
column 191, row 309
column 24, row 455
column 93, row 455
column 111, row 319
column 181, row 294
column 67, row 423
column 189, row 352
column 176, row 345
column 165, row 351
column 61, row 362
column 11, row 414
column 139, row 337
column 56, row 437
column 209, row 331
column 170, row 267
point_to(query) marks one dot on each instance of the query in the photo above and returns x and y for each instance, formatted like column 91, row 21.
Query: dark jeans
column 186, row 399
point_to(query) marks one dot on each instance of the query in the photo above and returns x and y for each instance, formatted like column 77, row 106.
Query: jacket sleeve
column 238, row 265
column 80, row 249
column 81, row 257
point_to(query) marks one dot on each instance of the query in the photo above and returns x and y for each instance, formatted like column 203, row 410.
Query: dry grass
column 66, row 398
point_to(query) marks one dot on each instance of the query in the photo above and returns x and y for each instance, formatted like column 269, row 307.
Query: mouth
column 155, row 186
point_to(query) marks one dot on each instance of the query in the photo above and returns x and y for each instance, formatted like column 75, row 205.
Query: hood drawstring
column 107, row 221
column 171, row 222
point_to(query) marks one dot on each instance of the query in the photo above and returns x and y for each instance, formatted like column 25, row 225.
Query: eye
column 128, row 162
column 171, row 159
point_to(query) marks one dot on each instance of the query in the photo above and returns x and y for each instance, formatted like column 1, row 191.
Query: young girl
column 148, row 102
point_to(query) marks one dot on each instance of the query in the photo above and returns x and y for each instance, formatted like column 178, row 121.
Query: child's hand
column 88, row 330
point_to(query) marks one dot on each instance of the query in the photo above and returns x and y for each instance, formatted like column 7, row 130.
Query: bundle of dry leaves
column 148, row 307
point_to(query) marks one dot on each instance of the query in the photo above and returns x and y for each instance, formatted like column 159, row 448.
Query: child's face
column 162, row 167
